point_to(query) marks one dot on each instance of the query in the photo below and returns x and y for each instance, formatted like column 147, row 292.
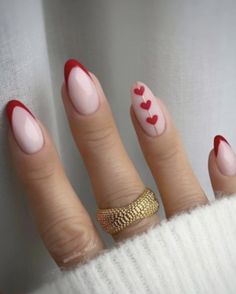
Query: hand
column 64, row 224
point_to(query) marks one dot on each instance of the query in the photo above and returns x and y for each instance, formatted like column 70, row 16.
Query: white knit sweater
column 191, row 253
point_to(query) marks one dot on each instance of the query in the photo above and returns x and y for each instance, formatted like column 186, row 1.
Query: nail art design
column 147, row 110
column 80, row 87
column 152, row 119
column 70, row 64
column 25, row 128
column 139, row 91
column 225, row 156
column 146, row 105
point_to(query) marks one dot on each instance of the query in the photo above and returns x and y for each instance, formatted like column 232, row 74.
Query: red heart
column 146, row 105
column 139, row 91
column 152, row 119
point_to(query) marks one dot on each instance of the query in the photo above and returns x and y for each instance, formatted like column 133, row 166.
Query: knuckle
column 69, row 240
column 122, row 195
column 164, row 155
column 187, row 202
column 41, row 172
column 99, row 137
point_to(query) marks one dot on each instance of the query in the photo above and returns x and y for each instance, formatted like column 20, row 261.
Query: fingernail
column 80, row 87
column 25, row 128
column 147, row 110
column 225, row 156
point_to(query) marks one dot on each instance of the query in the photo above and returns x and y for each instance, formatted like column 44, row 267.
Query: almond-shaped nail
column 225, row 156
column 147, row 110
column 25, row 128
column 80, row 87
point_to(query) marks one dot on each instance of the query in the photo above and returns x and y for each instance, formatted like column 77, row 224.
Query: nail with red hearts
column 147, row 109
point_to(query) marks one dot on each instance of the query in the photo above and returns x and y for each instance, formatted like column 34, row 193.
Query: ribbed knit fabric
column 191, row 253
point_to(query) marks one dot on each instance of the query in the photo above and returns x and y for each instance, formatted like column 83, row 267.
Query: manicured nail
column 25, row 128
column 225, row 156
column 80, row 87
column 147, row 110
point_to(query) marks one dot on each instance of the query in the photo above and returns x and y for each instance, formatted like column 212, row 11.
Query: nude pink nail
column 225, row 156
column 80, row 87
column 25, row 127
column 147, row 110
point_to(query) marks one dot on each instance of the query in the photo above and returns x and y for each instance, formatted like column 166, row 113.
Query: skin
column 64, row 224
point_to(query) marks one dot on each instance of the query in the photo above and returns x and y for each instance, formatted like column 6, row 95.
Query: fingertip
column 137, row 87
column 225, row 156
column 212, row 168
column 221, row 167
column 217, row 140
column 24, row 125
column 69, row 65
column 137, row 127
column 98, row 86
column 218, row 181
column 10, row 106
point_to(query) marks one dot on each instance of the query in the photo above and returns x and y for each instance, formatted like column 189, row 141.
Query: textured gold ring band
column 114, row 220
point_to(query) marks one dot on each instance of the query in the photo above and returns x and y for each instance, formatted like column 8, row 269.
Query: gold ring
column 113, row 220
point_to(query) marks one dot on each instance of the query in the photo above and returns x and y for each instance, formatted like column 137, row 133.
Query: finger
column 63, row 222
column 114, row 179
column 222, row 167
column 164, row 152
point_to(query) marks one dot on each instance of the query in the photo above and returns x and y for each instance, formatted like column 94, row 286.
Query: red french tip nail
column 217, row 141
column 69, row 65
column 10, row 107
